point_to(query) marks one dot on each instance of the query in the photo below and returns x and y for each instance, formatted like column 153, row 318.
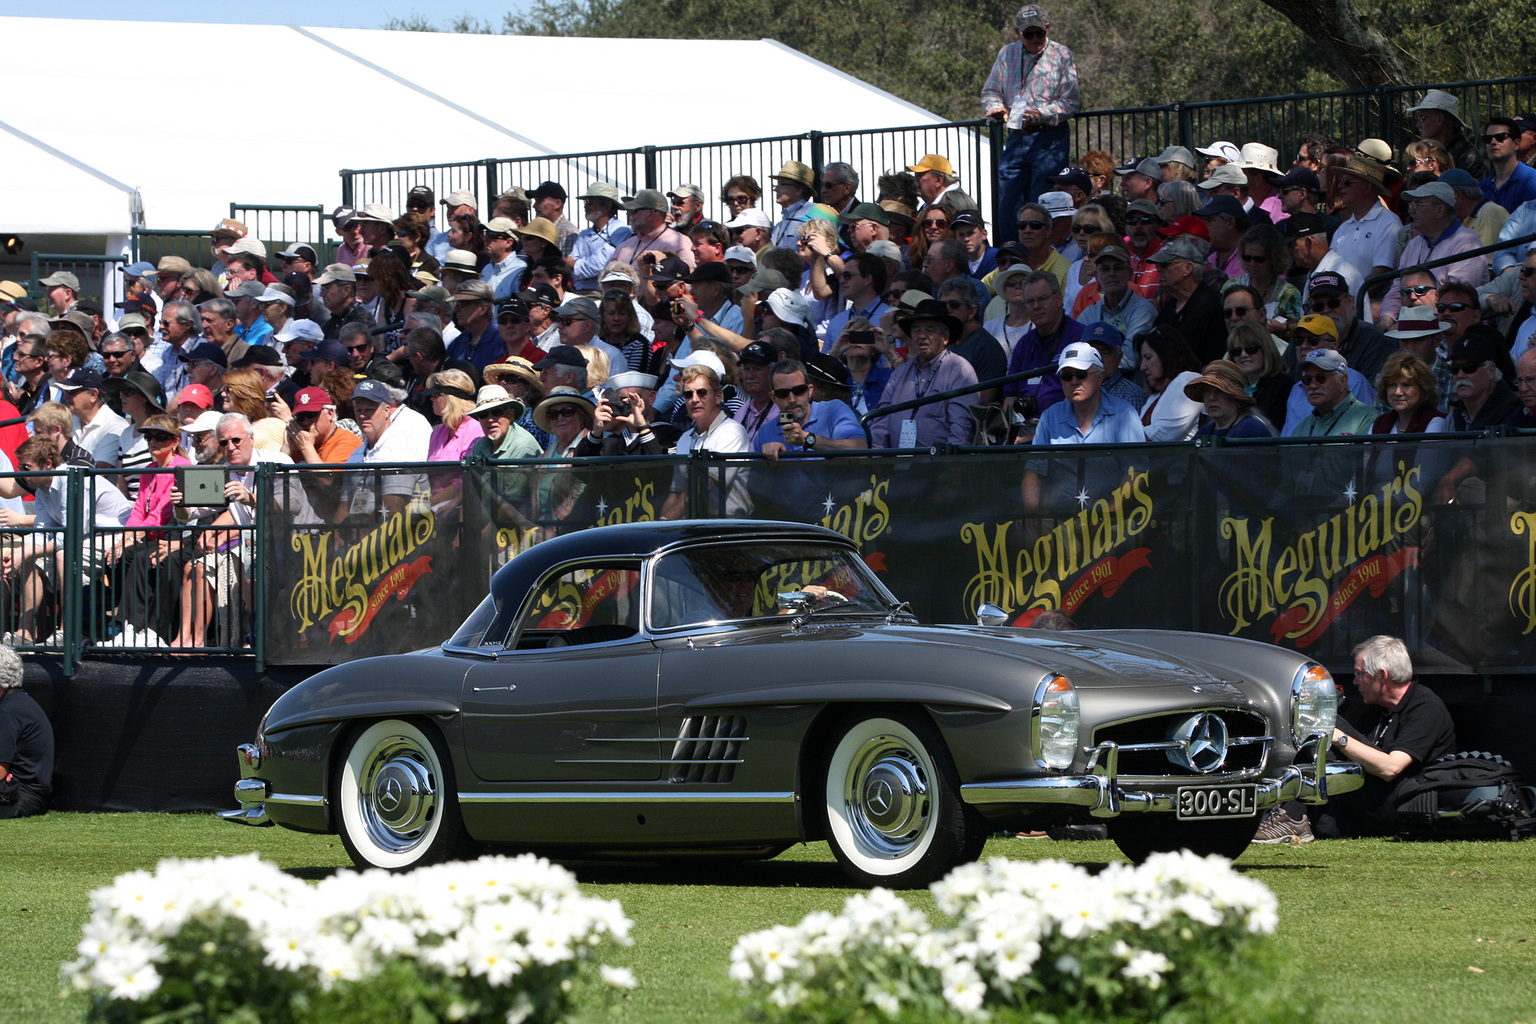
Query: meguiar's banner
column 1313, row 547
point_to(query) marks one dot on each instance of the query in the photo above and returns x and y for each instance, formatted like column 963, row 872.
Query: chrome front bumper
column 250, row 792
column 1100, row 792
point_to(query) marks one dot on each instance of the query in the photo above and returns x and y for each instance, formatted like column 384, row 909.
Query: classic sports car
column 731, row 688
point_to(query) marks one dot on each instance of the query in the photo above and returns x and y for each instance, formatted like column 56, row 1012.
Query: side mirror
column 990, row 615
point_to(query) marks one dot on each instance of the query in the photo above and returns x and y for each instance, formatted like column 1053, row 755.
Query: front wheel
column 894, row 813
column 397, row 805
column 1143, row 835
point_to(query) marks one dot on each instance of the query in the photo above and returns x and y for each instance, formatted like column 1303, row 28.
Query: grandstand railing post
column 265, row 499
column 651, row 176
column 996, row 139
column 1186, row 114
column 72, row 590
column 1383, row 112
column 818, row 158
column 346, row 188
column 492, row 188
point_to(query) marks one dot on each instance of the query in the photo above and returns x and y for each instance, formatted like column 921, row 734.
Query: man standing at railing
column 1033, row 86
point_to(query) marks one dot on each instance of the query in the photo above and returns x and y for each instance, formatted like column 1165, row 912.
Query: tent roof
column 77, row 152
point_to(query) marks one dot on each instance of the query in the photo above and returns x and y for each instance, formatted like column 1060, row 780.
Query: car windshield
column 720, row 583
column 472, row 632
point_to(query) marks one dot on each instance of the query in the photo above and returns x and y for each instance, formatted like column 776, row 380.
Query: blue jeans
column 1028, row 159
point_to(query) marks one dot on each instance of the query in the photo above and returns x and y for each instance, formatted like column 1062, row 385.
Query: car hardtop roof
column 511, row 581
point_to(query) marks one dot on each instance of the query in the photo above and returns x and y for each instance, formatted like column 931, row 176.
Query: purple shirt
column 949, row 420
column 1033, row 351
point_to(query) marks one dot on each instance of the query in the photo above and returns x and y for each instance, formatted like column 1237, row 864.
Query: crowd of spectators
column 1157, row 297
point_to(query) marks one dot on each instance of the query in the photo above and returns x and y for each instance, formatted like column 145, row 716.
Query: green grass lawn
column 1378, row 931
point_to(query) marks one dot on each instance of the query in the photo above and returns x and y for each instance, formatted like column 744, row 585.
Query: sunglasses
column 1238, row 311
column 306, row 417
column 1245, row 350
column 1527, row 271
column 737, row 200
column 699, row 393
column 1032, row 225
column 1034, row 33
column 1492, row 137
column 1464, row 367
column 1140, row 218
column 1418, row 290
column 1314, row 378
column 1086, row 229
column 114, row 355
column 1255, row 257
column 796, row 391
column 562, row 412
column 158, row 436
column 1422, row 161
column 1322, row 305
column 360, row 348
column 1453, row 307
column 931, row 222
column 232, row 442
column 1072, row 376
column 486, row 417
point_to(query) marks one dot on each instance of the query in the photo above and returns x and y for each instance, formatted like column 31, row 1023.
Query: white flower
column 1069, row 964
column 884, row 1001
column 618, row 977
column 136, row 984
column 963, row 988
column 1148, row 967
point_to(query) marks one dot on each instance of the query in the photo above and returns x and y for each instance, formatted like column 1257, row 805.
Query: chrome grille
column 708, row 748
column 1247, row 744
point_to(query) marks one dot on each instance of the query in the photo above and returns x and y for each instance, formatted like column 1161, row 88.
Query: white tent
column 191, row 117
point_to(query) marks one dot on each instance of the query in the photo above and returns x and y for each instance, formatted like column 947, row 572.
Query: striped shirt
column 1046, row 82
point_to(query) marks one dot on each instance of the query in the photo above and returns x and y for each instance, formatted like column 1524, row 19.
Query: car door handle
column 483, row 689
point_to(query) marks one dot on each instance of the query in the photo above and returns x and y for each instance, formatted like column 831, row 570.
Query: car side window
column 587, row 604
column 697, row 587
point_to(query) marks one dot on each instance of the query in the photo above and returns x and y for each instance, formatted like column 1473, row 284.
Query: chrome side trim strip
column 629, row 796
column 648, row 760
column 295, row 798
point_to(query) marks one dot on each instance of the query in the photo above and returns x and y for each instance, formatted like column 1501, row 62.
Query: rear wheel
column 894, row 813
column 398, row 809
column 1141, row 836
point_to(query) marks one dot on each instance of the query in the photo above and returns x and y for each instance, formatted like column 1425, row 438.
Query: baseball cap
column 476, row 290
column 751, row 217
column 1113, row 252
column 887, row 250
column 299, row 330
column 1059, row 204
column 277, row 293
column 61, row 278
column 206, row 421
column 1296, row 177
column 1301, row 225
column 686, row 190
column 337, row 272
column 515, row 307
column 197, row 394
column 540, row 294
column 1328, row 283
column 647, row 199
column 311, row 399
column 460, row 197
column 758, row 352
column 866, row 211
column 501, row 226
column 329, row 349
column 246, row 290
column 204, row 352
column 1144, row 166
column 143, row 268
column 1189, row 224
column 632, row 379
column 972, row 218
column 562, row 355
column 1226, row 174
column 1225, row 150
column 229, row 226
column 1318, row 325
column 1176, row 155
column 1103, row 333
column 1436, row 190
column 372, row 390
column 258, row 355
column 1074, row 176
column 129, row 321
column 1223, row 204
column 715, row 272
column 82, row 378
column 1080, row 356
column 549, row 190
column 740, row 254
column 669, row 269
column 1177, row 249
column 1326, row 359
column 700, row 358
column 579, row 306
column 1479, row 345
column 932, row 162
column 601, row 190
column 302, row 252
column 1145, row 206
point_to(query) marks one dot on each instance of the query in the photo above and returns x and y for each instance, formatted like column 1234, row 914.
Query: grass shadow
column 709, row 872
column 311, row 874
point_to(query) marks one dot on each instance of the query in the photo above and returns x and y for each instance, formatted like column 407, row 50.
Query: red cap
column 312, row 399
column 197, row 394
column 1189, row 224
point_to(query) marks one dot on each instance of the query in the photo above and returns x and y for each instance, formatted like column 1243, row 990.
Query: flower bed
column 234, row 939
column 1178, row 938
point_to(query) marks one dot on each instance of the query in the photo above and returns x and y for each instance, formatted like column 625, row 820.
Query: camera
column 649, row 257
column 786, row 418
column 620, row 406
column 677, row 307
column 860, row 337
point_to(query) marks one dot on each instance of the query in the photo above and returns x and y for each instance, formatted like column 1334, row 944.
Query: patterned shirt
column 1046, row 82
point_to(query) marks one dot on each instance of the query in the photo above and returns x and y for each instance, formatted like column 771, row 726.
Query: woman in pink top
column 453, row 396
column 147, row 602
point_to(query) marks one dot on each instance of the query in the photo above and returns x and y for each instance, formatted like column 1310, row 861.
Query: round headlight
column 1314, row 703
column 1056, row 722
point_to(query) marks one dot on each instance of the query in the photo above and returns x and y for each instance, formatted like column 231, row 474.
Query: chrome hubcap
column 888, row 797
column 399, row 795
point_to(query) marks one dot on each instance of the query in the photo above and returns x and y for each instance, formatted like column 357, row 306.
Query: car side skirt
column 630, row 817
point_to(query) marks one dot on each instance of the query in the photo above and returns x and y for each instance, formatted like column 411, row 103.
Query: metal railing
column 154, row 244
column 278, row 227
column 974, row 147
column 1443, row 261
column 94, row 272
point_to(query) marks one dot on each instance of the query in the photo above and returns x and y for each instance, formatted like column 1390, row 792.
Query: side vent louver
column 708, row 748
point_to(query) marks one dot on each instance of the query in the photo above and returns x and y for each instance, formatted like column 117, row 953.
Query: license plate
column 1216, row 801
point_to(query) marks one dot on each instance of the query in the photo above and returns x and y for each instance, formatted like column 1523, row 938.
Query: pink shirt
column 153, row 507
column 444, row 446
